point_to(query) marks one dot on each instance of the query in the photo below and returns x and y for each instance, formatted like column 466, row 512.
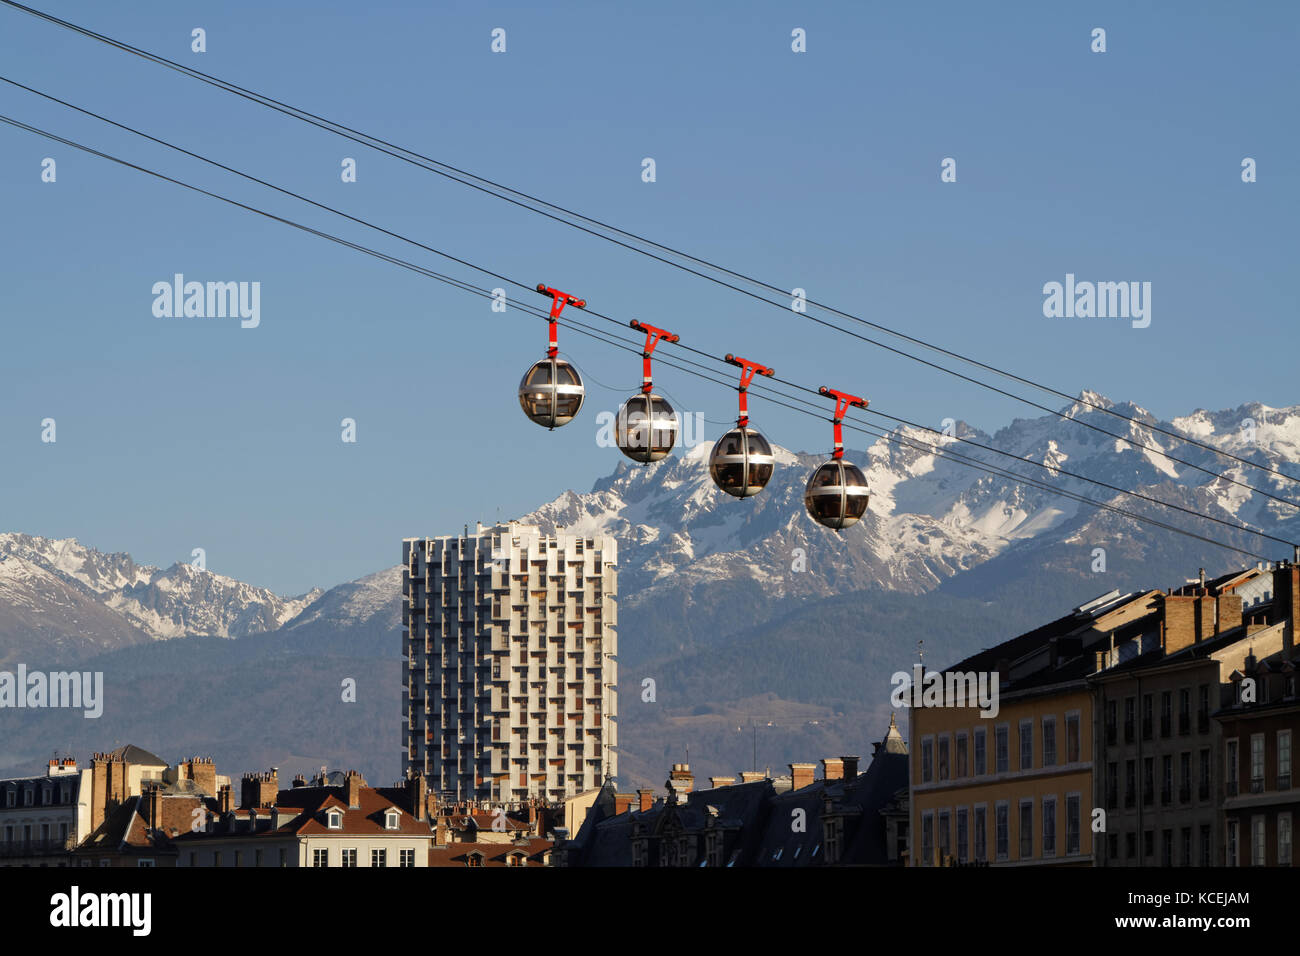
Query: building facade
column 510, row 642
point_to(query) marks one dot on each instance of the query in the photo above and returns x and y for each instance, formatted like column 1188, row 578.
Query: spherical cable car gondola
column 646, row 427
column 837, row 495
column 551, row 392
column 741, row 462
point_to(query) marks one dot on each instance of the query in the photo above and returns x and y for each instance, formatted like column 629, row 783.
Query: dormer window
column 334, row 820
column 391, row 818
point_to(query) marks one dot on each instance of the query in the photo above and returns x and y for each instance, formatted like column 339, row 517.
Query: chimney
column 1202, row 580
column 716, row 782
column 850, row 767
column 352, row 785
column 752, row 776
column 623, row 803
column 278, row 818
column 647, row 799
column 1178, row 624
column 252, row 819
column 802, row 774
column 681, row 781
column 1207, row 617
column 226, row 799
column 833, row 768
column 1286, row 602
column 299, row 781
column 417, row 796
column 203, row 772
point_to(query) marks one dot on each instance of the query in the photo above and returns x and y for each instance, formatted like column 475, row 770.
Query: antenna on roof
column 920, row 652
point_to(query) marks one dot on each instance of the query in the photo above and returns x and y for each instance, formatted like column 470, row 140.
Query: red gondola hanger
column 741, row 462
column 551, row 392
column 837, row 495
column 646, row 427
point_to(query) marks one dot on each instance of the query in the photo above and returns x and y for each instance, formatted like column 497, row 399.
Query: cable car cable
column 439, row 167
column 526, row 287
column 466, row 286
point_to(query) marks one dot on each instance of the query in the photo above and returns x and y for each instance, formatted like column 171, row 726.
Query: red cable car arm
column 558, row 301
column 652, row 337
column 843, row 400
column 747, row 371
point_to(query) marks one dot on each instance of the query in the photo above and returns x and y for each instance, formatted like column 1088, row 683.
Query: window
column 1130, row 711
column 144, row 862
column 943, row 757
column 945, row 846
column 1256, row 763
column 1130, row 783
column 927, row 757
column 1026, row 829
column 963, row 835
column 284, row 857
column 1205, row 845
column 334, row 820
column 1002, row 824
column 981, row 756
column 1231, row 769
column 1284, row 839
column 1148, row 781
column 320, row 857
column 1203, row 789
column 349, row 857
column 1072, row 823
column 1072, row 737
column 1284, row 760
column 1049, row 741
column 1166, row 780
column 1112, row 721
column 962, row 768
column 1166, row 848
column 1130, row 845
column 1230, row 851
column 379, row 858
column 1203, row 709
column 1049, row 827
column 406, row 858
column 391, row 818
column 1112, row 785
column 1146, row 716
column 1185, row 777
column 1257, row 841
column 1001, row 745
column 1166, row 713
column 239, row 857
column 1185, row 711
column 1148, row 843
column 927, row 839
column 1026, row 745
column 981, row 834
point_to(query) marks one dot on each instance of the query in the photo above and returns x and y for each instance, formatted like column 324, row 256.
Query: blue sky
column 818, row 170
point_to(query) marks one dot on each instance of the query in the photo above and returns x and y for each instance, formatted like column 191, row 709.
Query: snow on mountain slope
column 931, row 518
column 39, row 572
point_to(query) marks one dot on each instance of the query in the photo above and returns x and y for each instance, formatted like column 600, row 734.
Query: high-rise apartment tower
column 510, row 650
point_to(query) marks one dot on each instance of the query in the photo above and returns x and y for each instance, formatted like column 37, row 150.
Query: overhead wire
column 582, row 329
column 454, row 173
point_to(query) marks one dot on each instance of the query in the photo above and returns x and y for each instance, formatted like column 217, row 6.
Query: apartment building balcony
column 1256, row 784
column 1284, row 781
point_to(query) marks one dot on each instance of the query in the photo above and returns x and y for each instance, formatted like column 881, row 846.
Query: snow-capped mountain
column 688, row 546
column 78, row 594
column 932, row 516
